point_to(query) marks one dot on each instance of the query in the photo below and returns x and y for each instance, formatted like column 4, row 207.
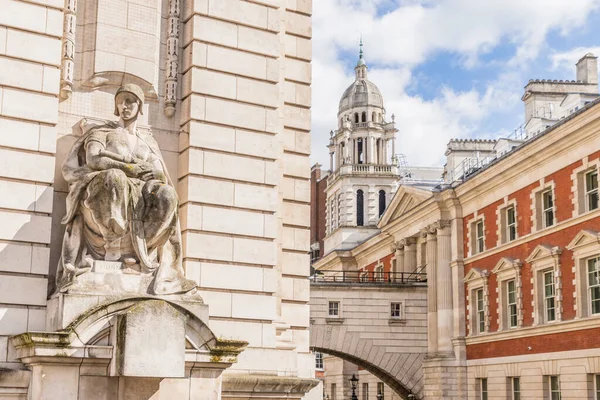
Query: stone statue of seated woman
column 122, row 206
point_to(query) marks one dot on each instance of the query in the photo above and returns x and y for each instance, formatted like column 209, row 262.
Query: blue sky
column 446, row 68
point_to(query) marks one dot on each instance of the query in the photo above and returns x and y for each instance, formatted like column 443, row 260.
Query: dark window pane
column 381, row 202
column 360, row 210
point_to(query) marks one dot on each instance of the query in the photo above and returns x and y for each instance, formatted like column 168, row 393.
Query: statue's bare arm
column 99, row 159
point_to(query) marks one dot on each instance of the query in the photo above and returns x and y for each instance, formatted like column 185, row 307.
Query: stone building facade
column 510, row 248
column 227, row 89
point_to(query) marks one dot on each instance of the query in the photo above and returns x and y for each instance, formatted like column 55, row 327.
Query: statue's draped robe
column 112, row 217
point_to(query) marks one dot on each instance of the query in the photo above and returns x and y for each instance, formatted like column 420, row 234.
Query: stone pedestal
column 108, row 339
column 444, row 378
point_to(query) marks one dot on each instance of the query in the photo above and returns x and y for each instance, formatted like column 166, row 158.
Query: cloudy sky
column 446, row 68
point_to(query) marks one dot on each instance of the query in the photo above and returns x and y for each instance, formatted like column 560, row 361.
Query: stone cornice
column 271, row 384
column 559, row 141
column 543, row 329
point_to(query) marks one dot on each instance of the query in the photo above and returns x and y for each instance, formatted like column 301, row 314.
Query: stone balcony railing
column 361, row 125
column 364, row 169
column 368, row 278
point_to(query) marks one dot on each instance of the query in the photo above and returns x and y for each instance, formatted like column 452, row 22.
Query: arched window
column 356, row 118
column 360, row 208
column 381, row 202
column 359, row 150
column 364, row 117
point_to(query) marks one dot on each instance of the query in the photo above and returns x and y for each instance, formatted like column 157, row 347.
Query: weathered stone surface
column 153, row 344
column 122, row 205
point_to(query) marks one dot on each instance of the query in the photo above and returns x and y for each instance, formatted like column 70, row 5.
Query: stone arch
column 402, row 372
column 91, row 325
column 96, row 329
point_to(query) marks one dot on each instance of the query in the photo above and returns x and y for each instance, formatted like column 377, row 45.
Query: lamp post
column 353, row 382
column 379, row 395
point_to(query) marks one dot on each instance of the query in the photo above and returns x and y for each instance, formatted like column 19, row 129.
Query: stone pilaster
column 410, row 254
column 444, row 287
column 399, row 258
column 432, row 316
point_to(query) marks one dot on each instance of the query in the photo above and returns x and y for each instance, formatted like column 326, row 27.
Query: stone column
column 372, row 151
column 399, row 260
column 347, row 148
column 444, row 287
column 393, row 146
column 384, row 145
column 410, row 255
column 331, row 160
column 351, row 150
column 355, row 150
column 432, row 308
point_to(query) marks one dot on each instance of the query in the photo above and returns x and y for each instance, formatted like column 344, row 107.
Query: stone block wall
column 237, row 148
column 244, row 173
column 30, row 57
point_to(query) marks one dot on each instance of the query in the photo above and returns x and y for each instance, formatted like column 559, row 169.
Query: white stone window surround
column 472, row 234
column 542, row 259
column 364, row 276
column 477, row 279
column 378, row 273
column 508, row 269
column 400, row 319
column 595, row 385
column 483, row 390
column 319, row 364
column 585, row 245
column 502, row 221
column 552, row 388
column 578, row 187
column 334, row 318
column 537, row 215
column 514, row 385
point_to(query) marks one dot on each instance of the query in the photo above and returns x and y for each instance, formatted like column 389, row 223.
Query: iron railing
column 370, row 277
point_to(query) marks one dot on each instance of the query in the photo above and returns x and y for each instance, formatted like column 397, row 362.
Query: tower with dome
column 364, row 175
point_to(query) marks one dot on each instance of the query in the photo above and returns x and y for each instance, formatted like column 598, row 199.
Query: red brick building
column 511, row 247
column 318, row 202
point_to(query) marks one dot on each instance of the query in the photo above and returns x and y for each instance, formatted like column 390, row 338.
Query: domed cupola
column 362, row 93
column 364, row 175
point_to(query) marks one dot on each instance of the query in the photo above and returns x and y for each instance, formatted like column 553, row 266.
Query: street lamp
column 379, row 395
column 353, row 382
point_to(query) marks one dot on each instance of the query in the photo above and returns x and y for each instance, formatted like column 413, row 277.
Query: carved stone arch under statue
column 402, row 372
column 126, row 340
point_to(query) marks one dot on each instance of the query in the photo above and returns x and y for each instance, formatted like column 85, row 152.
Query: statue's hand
column 136, row 170
column 153, row 175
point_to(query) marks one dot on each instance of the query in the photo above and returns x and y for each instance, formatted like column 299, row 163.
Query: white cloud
column 408, row 35
column 566, row 60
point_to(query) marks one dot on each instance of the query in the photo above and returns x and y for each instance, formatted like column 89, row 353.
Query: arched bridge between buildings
column 366, row 334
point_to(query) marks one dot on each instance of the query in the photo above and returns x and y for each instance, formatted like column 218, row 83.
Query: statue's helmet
column 134, row 90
